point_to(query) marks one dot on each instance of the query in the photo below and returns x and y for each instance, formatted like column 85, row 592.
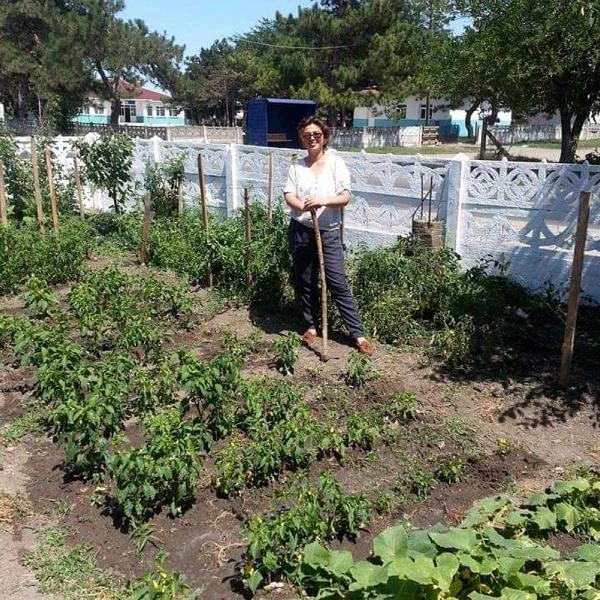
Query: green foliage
column 498, row 551
column 285, row 352
column 450, row 469
column 39, row 300
column 416, row 482
column 359, row 369
column 162, row 183
column 107, row 165
column 25, row 252
column 211, row 387
column 402, row 407
column 160, row 584
column 17, row 177
column 323, row 512
column 361, row 432
column 164, row 470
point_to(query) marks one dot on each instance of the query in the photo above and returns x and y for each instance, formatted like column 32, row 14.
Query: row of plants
column 404, row 292
column 24, row 252
column 500, row 550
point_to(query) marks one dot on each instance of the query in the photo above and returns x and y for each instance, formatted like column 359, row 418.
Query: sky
column 198, row 23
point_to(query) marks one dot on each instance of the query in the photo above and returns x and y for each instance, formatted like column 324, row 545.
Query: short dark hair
column 313, row 120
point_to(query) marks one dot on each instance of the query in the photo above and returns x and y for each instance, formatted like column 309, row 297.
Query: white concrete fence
column 522, row 216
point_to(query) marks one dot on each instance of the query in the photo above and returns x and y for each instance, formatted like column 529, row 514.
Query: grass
column 12, row 508
column 555, row 144
column 30, row 422
column 70, row 573
column 412, row 150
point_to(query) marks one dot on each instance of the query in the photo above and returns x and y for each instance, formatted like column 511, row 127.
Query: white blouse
column 333, row 179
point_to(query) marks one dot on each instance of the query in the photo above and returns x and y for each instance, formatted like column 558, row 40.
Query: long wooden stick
column 315, row 221
column 53, row 206
column 145, row 246
column 270, row 193
column 78, row 187
column 248, row 216
column 204, row 203
column 36, row 186
column 576, row 271
column 180, row 200
column 3, row 202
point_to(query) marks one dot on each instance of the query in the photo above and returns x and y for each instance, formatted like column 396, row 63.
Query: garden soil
column 548, row 437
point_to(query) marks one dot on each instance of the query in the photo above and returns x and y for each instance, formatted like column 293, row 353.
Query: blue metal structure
column 273, row 121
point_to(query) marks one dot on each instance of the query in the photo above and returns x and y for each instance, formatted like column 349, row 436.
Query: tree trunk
column 468, row 116
column 115, row 110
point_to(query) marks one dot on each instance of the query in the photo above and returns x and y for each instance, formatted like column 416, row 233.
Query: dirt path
column 16, row 581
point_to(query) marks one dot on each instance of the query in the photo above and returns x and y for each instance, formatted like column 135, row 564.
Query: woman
column 320, row 182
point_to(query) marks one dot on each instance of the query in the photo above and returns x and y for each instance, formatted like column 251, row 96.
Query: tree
column 546, row 54
column 122, row 52
column 212, row 82
column 38, row 69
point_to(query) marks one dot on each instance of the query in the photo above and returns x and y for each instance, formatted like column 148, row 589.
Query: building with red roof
column 140, row 106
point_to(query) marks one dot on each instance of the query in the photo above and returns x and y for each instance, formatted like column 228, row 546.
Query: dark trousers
column 303, row 249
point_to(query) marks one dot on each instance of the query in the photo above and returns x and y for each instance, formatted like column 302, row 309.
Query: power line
column 243, row 39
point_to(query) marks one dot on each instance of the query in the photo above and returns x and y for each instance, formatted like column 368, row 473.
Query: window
column 149, row 110
column 160, row 111
column 86, row 109
column 424, row 111
column 173, row 112
column 401, row 111
column 99, row 109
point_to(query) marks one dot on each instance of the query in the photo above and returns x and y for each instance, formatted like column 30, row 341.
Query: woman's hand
column 315, row 202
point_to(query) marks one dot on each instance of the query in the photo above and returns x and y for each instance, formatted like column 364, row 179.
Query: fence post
column 231, row 183
column 455, row 190
column 156, row 148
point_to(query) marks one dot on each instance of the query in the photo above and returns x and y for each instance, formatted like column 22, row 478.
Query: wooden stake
column 3, row 202
column 270, row 195
column 204, row 204
column 248, row 236
column 576, row 271
column 36, row 186
column 78, row 187
column 145, row 247
column 180, row 200
column 53, row 206
column 315, row 221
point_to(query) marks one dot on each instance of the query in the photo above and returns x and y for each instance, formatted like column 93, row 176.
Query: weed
column 463, row 433
column 72, row 573
column 30, row 422
column 416, row 482
column 403, row 407
column 13, row 508
column 450, row 469
column 384, row 502
column 143, row 534
column 503, row 446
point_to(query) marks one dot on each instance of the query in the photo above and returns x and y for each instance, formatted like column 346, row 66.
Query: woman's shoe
column 309, row 337
column 364, row 347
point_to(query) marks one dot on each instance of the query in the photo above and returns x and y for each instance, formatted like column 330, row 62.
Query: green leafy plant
column 276, row 541
column 107, row 165
column 402, row 407
column 450, row 469
column 415, row 481
column 285, row 352
column 359, row 369
column 164, row 470
column 160, row 584
column 39, row 300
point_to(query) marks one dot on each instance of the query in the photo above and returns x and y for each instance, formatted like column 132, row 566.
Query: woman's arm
column 315, row 202
column 293, row 201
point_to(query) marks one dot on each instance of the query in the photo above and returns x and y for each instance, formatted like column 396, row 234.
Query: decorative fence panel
column 512, row 134
column 524, row 216
column 377, row 137
column 520, row 215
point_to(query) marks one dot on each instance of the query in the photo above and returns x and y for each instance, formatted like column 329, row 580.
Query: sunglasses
column 312, row 134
